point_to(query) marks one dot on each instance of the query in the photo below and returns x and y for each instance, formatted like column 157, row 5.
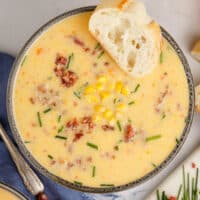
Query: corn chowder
column 88, row 122
column 5, row 195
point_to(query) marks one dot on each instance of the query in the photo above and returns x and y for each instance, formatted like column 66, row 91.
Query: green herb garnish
column 163, row 116
column 97, row 46
column 93, row 171
column 50, row 157
column 47, row 110
column 116, row 148
column 79, row 92
column 39, row 119
column 61, row 137
column 78, row 183
column 155, row 137
column 27, row 142
column 100, row 55
column 154, row 165
column 161, row 57
column 179, row 191
column 69, row 60
column 177, row 141
column 59, row 118
column 131, row 103
column 23, row 61
column 107, row 185
column 136, row 88
column 119, row 125
column 94, row 146
column 77, row 95
column 60, row 129
column 158, row 194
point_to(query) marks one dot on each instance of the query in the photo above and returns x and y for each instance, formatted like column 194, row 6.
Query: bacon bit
column 129, row 133
column 121, row 4
column 193, row 165
column 60, row 60
column 78, row 41
column 70, row 165
column 79, row 161
column 39, row 51
column 89, row 159
column 172, row 198
column 107, row 128
column 53, row 162
column 70, row 148
column 87, row 49
column 108, row 155
column 95, row 65
column 106, row 63
column 164, row 75
column 42, row 88
column 33, row 124
column 75, row 103
column 32, row 100
column 78, row 136
column 88, row 121
column 72, row 124
column 61, row 161
column 68, row 78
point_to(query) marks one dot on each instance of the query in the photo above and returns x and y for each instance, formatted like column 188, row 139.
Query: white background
column 19, row 19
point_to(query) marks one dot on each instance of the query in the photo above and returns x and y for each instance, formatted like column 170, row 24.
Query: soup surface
column 4, row 194
column 88, row 122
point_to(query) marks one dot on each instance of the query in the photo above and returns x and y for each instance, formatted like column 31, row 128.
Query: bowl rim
column 13, row 191
column 44, row 171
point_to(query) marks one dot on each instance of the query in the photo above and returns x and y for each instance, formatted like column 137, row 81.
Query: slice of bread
column 196, row 51
column 129, row 35
column 197, row 98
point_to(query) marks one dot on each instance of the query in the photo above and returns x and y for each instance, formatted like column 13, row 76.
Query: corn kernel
column 104, row 94
column 111, row 86
column 99, row 86
column 124, row 91
column 97, row 118
column 102, row 79
column 108, row 114
column 92, row 99
column 118, row 86
column 89, row 90
column 99, row 108
column 120, row 107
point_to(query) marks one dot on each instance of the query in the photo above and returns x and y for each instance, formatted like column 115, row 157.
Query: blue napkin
column 8, row 172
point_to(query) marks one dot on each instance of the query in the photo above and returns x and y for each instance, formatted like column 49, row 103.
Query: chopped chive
column 155, row 137
column 60, row 129
column 131, row 103
column 100, row 55
column 158, row 194
column 93, row 171
column 50, row 157
column 107, row 185
column 59, row 118
column 136, row 88
column 23, row 61
column 78, row 183
column 27, row 142
column 163, row 116
column 154, row 165
column 177, row 141
column 94, row 146
column 39, row 119
column 49, row 78
column 116, row 148
column 161, row 57
column 47, row 110
column 97, row 46
column 61, row 137
column 115, row 100
column 69, row 60
column 119, row 125
column 77, row 95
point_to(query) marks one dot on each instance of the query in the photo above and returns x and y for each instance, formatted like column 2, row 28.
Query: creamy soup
column 88, row 122
column 5, row 195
